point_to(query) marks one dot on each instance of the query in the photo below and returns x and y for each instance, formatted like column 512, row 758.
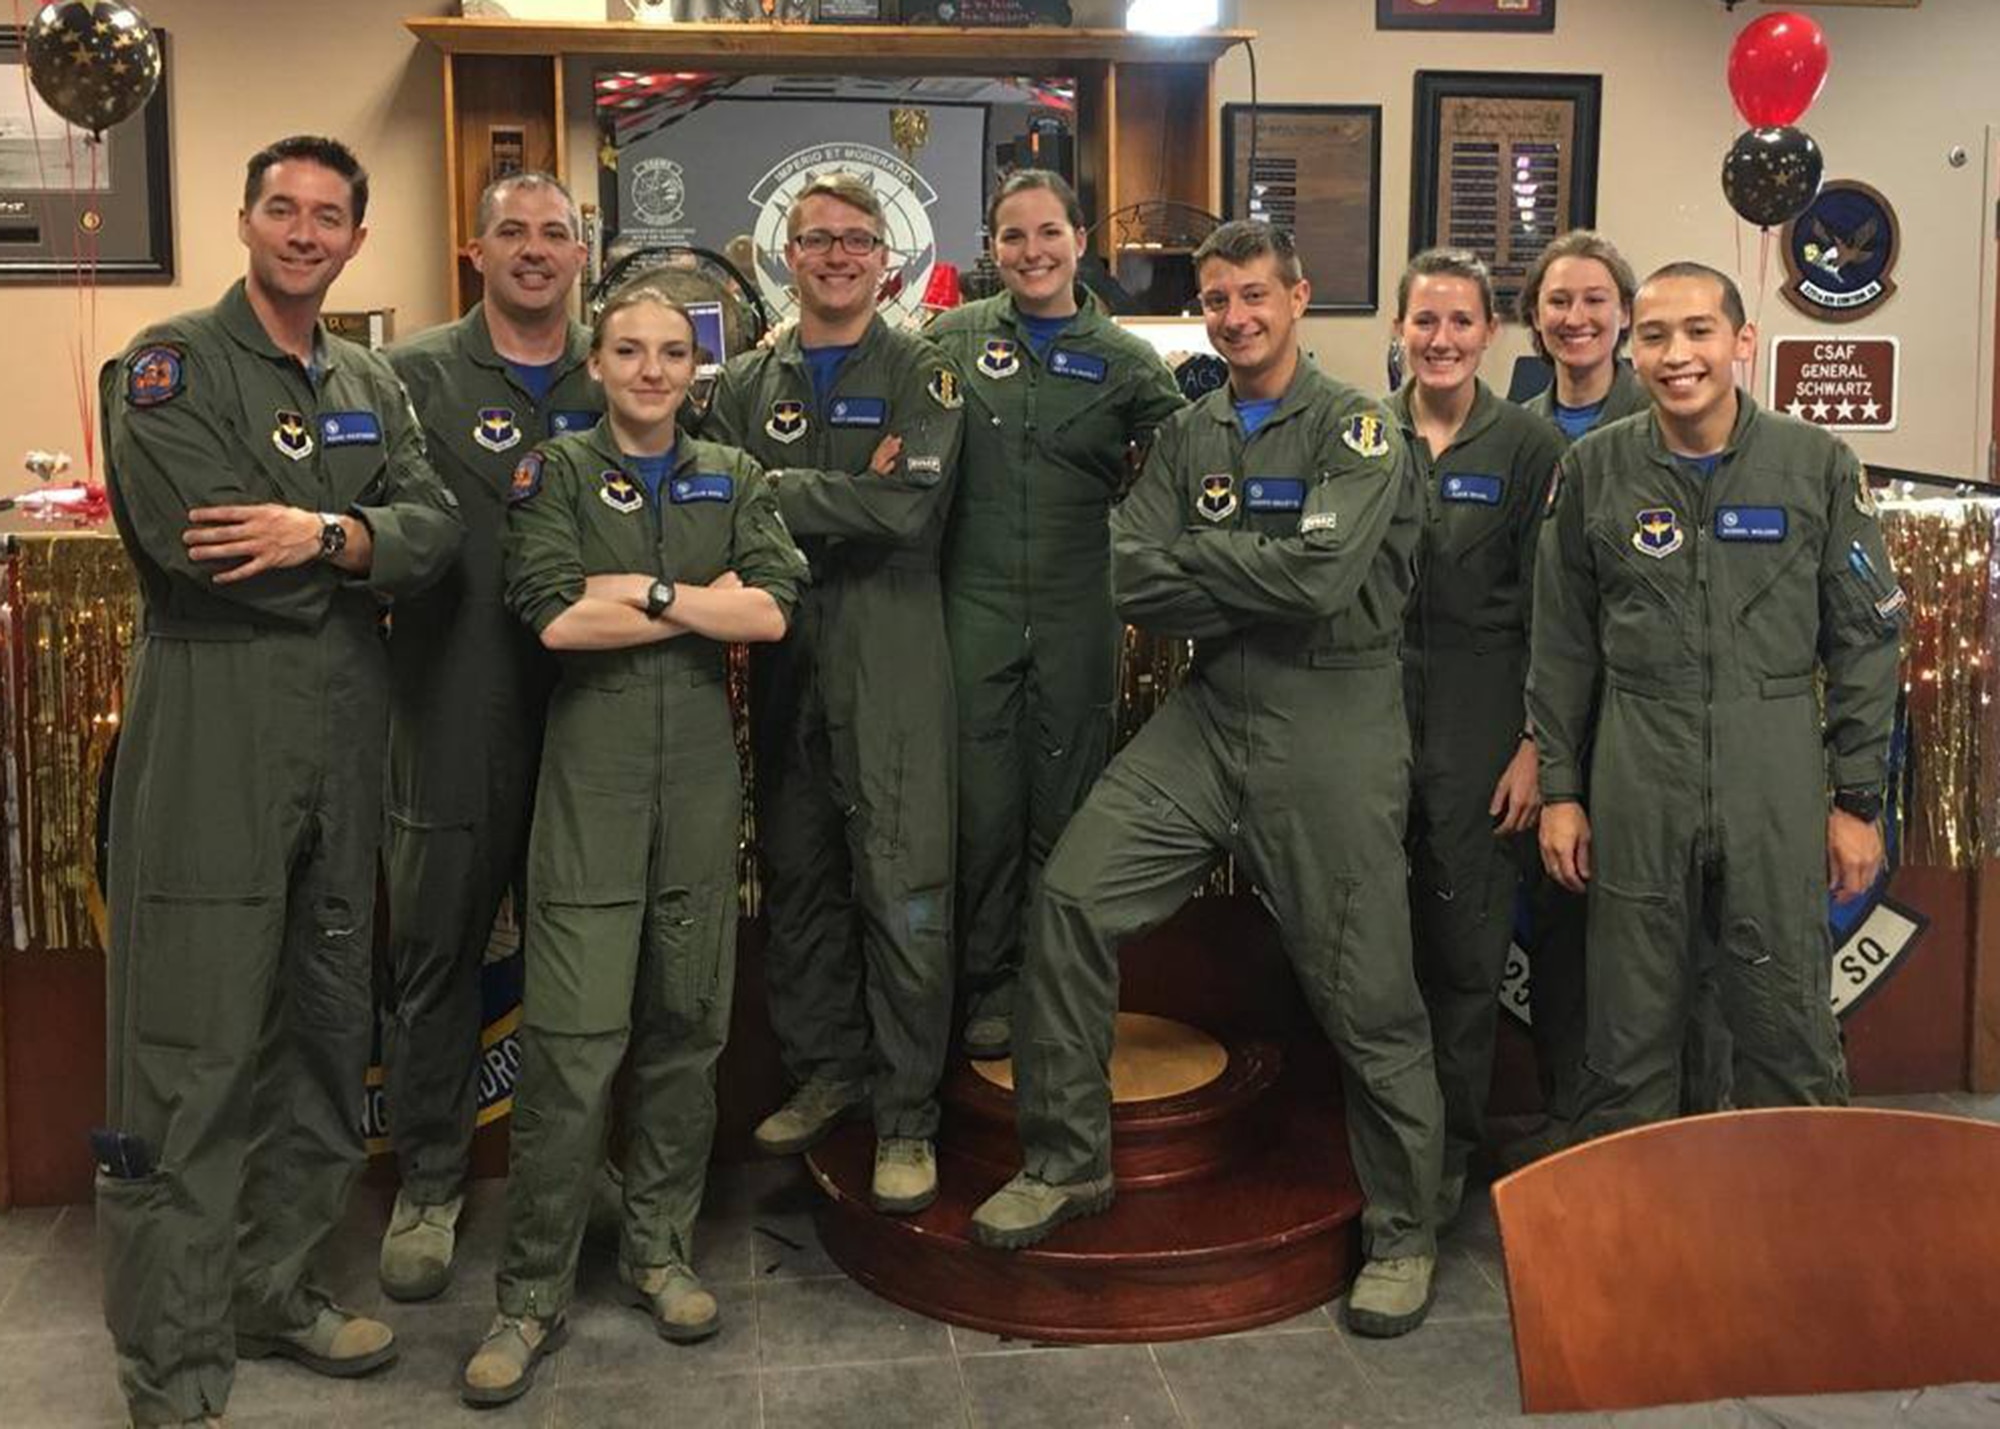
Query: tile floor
column 803, row 1346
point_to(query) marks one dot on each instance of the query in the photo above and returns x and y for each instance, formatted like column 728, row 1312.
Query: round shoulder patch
column 155, row 374
column 527, row 479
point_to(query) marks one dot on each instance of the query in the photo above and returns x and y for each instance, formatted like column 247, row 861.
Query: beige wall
column 245, row 72
column 1906, row 87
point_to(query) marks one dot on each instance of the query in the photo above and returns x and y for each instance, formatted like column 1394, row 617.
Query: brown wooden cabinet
column 1146, row 111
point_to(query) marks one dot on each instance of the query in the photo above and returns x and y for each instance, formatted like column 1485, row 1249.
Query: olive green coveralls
column 1035, row 640
column 246, row 818
column 465, row 732
column 1555, row 983
column 1701, row 608
column 1465, row 665
column 1288, row 558
column 851, row 716
column 632, row 857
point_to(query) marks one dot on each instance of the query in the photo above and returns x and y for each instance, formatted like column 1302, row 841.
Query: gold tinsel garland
column 1944, row 554
column 66, row 622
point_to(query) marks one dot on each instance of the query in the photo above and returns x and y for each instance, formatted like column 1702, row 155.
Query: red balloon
column 1776, row 68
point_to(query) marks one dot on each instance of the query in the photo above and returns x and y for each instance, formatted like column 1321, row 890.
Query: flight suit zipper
column 1703, row 504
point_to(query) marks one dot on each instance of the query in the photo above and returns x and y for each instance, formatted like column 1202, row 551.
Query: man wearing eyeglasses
column 851, row 715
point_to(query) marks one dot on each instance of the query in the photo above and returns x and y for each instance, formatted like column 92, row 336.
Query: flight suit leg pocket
column 199, row 967
column 688, row 932
column 147, row 1290
column 1324, row 963
column 1635, row 984
column 579, row 967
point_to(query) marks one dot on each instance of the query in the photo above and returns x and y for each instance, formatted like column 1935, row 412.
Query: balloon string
column 1763, row 290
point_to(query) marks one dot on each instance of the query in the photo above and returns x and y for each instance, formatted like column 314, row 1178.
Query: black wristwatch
column 1863, row 804
column 332, row 536
column 659, row 596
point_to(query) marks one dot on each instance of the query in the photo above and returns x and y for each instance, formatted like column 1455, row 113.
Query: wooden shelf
column 765, row 49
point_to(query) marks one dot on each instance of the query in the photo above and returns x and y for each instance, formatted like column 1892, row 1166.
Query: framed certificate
column 1465, row 14
column 1314, row 170
column 1502, row 164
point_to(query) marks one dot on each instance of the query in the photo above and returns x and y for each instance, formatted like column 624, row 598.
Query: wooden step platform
column 1237, row 1207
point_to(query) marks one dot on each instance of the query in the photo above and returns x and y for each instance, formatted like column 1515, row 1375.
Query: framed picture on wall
column 1502, row 164
column 69, row 206
column 1314, row 170
column 1465, row 14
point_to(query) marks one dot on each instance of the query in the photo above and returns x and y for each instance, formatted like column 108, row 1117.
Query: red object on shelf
column 943, row 290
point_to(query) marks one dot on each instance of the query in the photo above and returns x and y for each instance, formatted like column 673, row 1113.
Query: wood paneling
column 1797, row 1251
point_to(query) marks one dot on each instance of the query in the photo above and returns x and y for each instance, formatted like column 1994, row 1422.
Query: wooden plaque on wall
column 1503, row 163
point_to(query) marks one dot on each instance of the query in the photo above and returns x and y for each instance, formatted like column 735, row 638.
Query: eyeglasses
column 855, row 242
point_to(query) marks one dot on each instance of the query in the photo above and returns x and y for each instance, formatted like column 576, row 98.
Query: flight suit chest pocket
column 1645, row 572
column 354, row 453
column 1470, row 509
column 698, row 516
column 1765, row 559
column 1274, row 503
column 615, row 531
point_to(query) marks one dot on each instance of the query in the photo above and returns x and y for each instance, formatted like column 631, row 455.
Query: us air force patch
column 620, row 492
column 787, row 422
column 1000, row 358
column 943, row 388
column 527, row 479
column 1366, row 436
column 1659, row 533
column 1217, row 501
column 292, row 436
column 154, row 375
column 496, row 430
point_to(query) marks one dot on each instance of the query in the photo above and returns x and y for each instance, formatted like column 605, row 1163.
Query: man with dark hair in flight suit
column 270, row 485
column 1699, row 565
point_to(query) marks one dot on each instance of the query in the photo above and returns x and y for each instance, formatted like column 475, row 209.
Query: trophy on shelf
column 910, row 129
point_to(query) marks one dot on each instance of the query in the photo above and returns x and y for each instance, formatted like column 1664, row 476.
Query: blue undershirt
column 653, row 470
column 1701, row 465
column 823, row 365
column 1575, row 421
column 1253, row 415
column 1043, row 332
column 535, row 378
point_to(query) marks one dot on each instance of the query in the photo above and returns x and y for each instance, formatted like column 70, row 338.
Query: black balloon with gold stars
column 94, row 64
column 1771, row 175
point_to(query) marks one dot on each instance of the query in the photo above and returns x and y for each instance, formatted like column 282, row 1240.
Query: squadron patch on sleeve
column 943, row 388
column 1366, row 436
column 1864, row 494
column 155, row 374
column 527, row 479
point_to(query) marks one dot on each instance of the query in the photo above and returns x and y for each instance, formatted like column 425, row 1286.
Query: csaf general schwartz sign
column 1845, row 384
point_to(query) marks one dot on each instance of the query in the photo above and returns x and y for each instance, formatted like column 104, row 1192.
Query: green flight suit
column 1287, row 558
column 851, row 716
column 1465, row 663
column 1679, row 622
column 632, row 856
column 465, row 732
column 1626, row 398
column 246, row 817
column 1555, row 983
column 1027, row 601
